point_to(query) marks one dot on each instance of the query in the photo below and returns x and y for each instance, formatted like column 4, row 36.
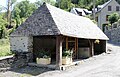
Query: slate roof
column 104, row 5
column 49, row 20
column 84, row 11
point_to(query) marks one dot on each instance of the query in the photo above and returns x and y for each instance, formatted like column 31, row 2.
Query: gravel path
column 104, row 65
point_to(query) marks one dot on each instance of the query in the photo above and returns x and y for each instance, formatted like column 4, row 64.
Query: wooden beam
column 67, row 43
column 59, row 41
column 77, row 46
column 92, row 48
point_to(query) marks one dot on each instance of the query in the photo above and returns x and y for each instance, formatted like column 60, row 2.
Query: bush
column 67, row 53
column 5, row 47
column 43, row 54
column 113, row 18
column 4, row 42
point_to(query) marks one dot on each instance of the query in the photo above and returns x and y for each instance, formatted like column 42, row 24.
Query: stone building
column 103, row 11
column 113, row 32
column 54, row 30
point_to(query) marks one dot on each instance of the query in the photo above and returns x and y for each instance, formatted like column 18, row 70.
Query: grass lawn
column 4, row 47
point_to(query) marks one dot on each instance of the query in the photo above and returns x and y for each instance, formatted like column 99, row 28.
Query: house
column 54, row 30
column 80, row 11
column 103, row 11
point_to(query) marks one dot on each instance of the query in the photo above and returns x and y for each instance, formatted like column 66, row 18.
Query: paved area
column 104, row 65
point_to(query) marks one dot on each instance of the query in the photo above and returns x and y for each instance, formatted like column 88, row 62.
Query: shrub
column 67, row 53
column 43, row 54
column 5, row 47
column 113, row 18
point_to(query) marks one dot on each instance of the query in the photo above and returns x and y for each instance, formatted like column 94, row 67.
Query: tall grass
column 4, row 47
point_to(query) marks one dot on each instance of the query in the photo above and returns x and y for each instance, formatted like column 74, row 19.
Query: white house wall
column 102, row 14
column 21, row 44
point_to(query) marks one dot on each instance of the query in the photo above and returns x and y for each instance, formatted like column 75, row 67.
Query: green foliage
column 65, row 4
column 84, row 3
column 4, row 42
column 23, row 10
column 3, row 30
column 118, row 1
column 13, row 1
column 113, row 18
column 43, row 54
column 38, row 3
column 109, row 25
column 67, row 53
column 118, row 22
column 4, row 47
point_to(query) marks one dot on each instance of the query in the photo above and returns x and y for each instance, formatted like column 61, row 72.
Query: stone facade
column 20, row 59
column 104, row 13
column 114, row 35
column 6, row 62
column 22, row 47
column 21, row 43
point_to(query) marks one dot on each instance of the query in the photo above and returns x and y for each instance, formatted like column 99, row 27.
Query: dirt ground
column 104, row 65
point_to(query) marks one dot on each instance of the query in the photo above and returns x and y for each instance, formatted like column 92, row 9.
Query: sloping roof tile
column 49, row 20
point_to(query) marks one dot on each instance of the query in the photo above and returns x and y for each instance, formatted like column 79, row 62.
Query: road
column 104, row 65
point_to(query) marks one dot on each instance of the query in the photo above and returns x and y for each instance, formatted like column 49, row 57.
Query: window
column 80, row 13
column 117, row 8
column 107, row 17
column 109, row 8
column 96, row 19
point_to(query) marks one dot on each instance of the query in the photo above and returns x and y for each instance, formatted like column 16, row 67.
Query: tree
column 23, row 10
column 40, row 2
column 0, row 9
column 64, row 4
column 113, row 18
column 118, row 1
column 9, row 8
column 3, row 30
column 75, row 1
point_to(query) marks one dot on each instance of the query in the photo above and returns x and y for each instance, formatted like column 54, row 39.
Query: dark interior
column 83, row 48
column 99, row 48
column 46, row 43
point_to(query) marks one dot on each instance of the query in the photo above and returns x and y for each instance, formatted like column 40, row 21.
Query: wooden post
column 76, row 54
column 77, row 47
column 104, row 46
column 92, row 48
column 67, row 43
column 59, row 41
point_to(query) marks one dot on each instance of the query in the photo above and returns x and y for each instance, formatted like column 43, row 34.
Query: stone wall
column 6, row 62
column 114, row 35
column 20, row 59
column 21, row 44
column 22, row 48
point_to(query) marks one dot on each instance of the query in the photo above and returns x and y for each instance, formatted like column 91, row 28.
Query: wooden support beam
column 105, row 46
column 77, row 46
column 67, row 43
column 92, row 48
column 59, row 41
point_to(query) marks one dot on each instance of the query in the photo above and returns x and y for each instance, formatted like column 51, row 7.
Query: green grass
column 4, row 47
